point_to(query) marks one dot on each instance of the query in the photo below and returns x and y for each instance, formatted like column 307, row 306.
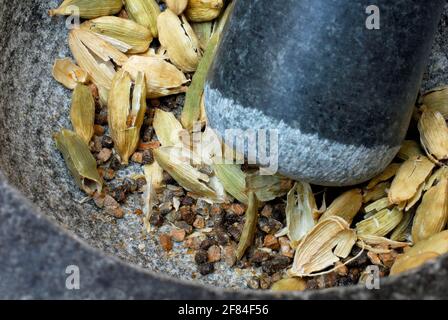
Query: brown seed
column 104, row 155
column 388, row 258
column 229, row 255
column 271, row 242
column 193, row 243
column 265, row 281
column 201, row 257
column 108, row 174
column 341, row 269
column 214, row 253
column 178, row 235
column 98, row 130
column 238, row 208
column 285, row 247
column 187, row 214
column 267, row 211
column 138, row 212
column 166, row 242
column 137, row 157
column 199, row 223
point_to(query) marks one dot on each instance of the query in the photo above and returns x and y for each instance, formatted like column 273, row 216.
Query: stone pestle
column 326, row 87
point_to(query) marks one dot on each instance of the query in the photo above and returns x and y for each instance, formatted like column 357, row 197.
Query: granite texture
column 317, row 75
column 44, row 227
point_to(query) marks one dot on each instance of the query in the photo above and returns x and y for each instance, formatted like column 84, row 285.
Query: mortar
column 43, row 226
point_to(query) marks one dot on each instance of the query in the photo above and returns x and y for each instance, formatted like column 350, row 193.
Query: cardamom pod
column 421, row 252
column 177, row 6
column 126, row 117
column 79, row 161
column 203, row 10
column 432, row 214
column 82, row 112
column 381, row 223
column 346, row 206
column 126, row 35
column 378, row 192
column 180, row 41
column 162, row 78
column 95, row 56
column 437, row 100
column 68, row 73
column 167, row 128
column 250, row 226
column 88, row 9
column 408, row 179
column 378, row 205
column 409, row 149
column 388, row 173
column 406, row 263
column 433, row 134
column 145, row 13
column 289, row 284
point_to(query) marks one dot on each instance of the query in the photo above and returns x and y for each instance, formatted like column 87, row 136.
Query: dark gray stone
column 43, row 229
column 340, row 95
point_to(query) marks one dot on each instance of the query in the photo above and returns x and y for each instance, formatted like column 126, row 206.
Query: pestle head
column 338, row 95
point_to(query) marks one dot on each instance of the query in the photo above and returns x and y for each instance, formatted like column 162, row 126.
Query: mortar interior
column 33, row 106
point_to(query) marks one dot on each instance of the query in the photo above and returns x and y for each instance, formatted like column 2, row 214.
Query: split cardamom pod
column 68, row 73
column 79, row 161
column 88, row 9
column 162, row 78
column 82, row 112
column 432, row 214
column 145, row 13
column 317, row 250
column 177, row 162
column 301, row 212
column 95, row 56
column 126, row 35
column 180, row 41
column 126, row 112
column 177, row 6
column 203, row 10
